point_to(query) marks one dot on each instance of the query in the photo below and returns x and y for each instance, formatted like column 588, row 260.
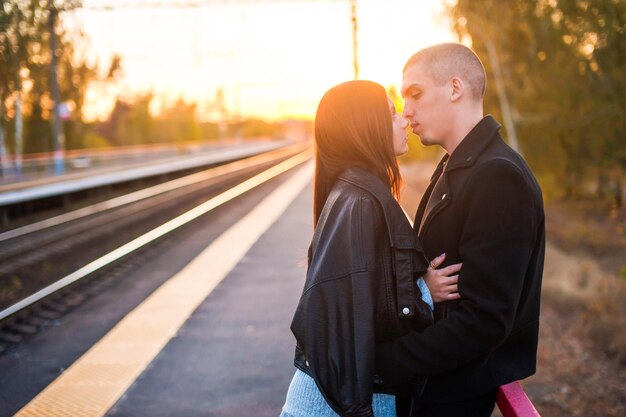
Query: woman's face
column 399, row 125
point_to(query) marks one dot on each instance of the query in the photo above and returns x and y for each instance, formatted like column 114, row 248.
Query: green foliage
column 92, row 140
column 178, row 124
column 251, row 128
column 563, row 65
column 210, row 130
column 130, row 123
column 25, row 58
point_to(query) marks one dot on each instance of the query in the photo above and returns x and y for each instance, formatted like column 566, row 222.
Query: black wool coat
column 486, row 211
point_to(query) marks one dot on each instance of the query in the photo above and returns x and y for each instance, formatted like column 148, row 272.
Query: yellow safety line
column 95, row 382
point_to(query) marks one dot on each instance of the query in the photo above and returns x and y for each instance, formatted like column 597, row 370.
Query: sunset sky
column 272, row 59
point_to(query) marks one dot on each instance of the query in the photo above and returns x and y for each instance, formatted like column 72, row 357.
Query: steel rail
column 158, row 232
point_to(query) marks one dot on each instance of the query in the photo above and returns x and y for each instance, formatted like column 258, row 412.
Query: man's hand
column 441, row 283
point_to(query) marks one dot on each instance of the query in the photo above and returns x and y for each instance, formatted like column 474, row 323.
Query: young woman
column 362, row 284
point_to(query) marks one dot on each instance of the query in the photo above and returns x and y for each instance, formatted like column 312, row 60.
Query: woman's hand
column 442, row 284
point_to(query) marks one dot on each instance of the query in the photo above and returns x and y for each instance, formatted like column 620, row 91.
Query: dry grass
column 595, row 236
column 607, row 313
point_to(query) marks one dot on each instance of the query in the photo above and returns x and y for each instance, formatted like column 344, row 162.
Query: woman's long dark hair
column 353, row 128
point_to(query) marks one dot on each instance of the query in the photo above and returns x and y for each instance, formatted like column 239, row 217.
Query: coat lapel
column 419, row 215
column 438, row 195
column 439, row 198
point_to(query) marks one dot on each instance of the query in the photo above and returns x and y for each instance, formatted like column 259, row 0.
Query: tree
column 130, row 123
column 25, row 58
column 178, row 123
column 562, row 67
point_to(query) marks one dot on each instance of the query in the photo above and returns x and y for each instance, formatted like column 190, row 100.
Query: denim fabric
column 305, row 400
column 426, row 295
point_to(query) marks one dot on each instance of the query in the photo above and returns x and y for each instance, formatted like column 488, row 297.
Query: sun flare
column 270, row 59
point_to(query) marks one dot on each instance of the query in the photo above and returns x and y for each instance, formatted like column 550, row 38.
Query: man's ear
column 457, row 90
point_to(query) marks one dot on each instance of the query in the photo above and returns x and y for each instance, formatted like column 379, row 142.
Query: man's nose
column 407, row 111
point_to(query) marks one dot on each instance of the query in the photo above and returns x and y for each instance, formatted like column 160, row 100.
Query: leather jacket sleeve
column 334, row 323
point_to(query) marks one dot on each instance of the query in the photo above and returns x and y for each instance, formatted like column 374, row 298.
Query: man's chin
column 428, row 140
column 425, row 141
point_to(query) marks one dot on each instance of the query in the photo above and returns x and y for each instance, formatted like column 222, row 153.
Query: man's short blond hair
column 448, row 60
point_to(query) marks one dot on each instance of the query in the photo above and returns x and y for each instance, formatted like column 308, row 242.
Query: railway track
column 48, row 267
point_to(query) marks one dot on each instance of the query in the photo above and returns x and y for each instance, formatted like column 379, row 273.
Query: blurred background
column 83, row 79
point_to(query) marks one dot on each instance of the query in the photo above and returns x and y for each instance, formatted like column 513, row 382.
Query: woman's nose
column 405, row 122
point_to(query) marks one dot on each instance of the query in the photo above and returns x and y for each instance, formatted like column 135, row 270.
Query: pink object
column 513, row 402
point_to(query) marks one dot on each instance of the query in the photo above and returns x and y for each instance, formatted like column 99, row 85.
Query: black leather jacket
column 360, row 290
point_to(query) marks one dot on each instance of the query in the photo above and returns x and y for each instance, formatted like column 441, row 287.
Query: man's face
column 427, row 106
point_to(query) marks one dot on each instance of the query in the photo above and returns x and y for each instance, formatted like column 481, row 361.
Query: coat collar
column 471, row 146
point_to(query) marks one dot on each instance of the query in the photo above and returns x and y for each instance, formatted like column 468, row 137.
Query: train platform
column 202, row 329
column 194, row 323
column 129, row 166
column 77, row 163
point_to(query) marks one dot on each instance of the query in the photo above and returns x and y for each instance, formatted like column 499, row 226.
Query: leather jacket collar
column 404, row 242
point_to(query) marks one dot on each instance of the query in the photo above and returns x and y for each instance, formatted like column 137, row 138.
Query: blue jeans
column 305, row 400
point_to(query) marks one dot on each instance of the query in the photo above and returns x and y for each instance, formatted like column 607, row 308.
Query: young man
column 483, row 208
